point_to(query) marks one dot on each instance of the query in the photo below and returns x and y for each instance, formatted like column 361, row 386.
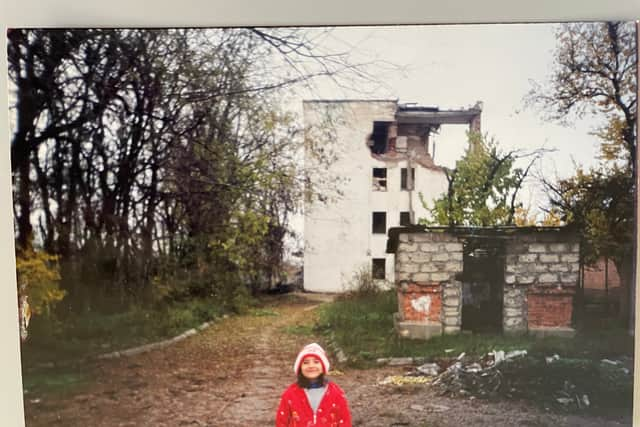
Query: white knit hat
column 312, row 350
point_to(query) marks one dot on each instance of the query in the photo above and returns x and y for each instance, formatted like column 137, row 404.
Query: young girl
column 313, row 400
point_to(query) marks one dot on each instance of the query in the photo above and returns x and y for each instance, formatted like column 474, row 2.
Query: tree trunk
column 625, row 267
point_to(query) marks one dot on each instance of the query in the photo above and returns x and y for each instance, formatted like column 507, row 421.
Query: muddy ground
column 233, row 373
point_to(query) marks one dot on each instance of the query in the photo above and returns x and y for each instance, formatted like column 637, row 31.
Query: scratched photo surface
column 447, row 210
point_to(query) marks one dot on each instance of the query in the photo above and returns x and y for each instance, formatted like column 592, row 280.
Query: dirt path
column 232, row 375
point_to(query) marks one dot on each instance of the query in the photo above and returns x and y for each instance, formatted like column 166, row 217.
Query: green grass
column 53, row 355
column 58, row 381
column 51, row 340
column 362, row 326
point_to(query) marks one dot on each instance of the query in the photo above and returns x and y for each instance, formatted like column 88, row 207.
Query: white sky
column 454, row 66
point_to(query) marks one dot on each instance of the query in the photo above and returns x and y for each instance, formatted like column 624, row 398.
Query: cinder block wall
column 541, row 275
column 426, row 269
column 540, row 278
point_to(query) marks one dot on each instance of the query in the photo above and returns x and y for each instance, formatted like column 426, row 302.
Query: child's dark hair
column 305, row 382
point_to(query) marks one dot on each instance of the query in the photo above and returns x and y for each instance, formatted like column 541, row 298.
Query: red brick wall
column 549, row 310
column 413, row 291
column 594, row 275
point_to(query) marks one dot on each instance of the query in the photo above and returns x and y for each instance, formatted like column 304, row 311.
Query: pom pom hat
column 312, row 350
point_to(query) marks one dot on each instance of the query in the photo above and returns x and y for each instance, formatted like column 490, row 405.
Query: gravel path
column 232, row 375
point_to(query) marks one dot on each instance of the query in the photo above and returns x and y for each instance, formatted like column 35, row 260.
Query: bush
column 362, row 284
column 38, row 277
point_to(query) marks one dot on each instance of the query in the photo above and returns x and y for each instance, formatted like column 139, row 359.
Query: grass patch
column 59, row 382
column 92, row 333
column 51, row 355
column 362, row 326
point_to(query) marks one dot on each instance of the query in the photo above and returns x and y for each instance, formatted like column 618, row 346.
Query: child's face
column 311, row 367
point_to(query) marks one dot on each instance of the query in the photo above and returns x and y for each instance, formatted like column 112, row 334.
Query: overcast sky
column 454, row 66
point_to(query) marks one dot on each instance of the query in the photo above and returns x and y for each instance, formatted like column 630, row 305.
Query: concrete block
column 514, row 268
column 428, row 267
column 549, row 258
column 526, row 258
column 400, row 361
column 421, row 237
column 538, row 268
column 548, row 278
column 451, row 312
column 453, row 247
column 525, row 279
column 569, row 258
column 513, row 311
column 440, row 256
column 402, row 258
column 515, row 302
column 451, row 302
column 456, row 256
column 558, row 247
column 429, row 247
column 451, row 292
column 400, row 275
column 439, row 277
column 420, row 257
column 416, row 330
column 537, row 248
column 513, row 323
column 569, row 278
column 559, row 268
column 407, row 247
column 451, row 320
column 409, row 268
column 421, row 277
column 450, row 330
column 454, row 266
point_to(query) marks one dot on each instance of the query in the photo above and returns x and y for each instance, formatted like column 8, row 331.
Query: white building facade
column 369, row 162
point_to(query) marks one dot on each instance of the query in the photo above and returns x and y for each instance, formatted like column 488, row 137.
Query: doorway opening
column 482, row 285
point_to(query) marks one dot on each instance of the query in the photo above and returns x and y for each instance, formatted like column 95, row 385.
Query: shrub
column 38, row 277
column 362, row 284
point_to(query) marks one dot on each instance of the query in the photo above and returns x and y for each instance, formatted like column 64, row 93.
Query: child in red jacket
column 313, row 400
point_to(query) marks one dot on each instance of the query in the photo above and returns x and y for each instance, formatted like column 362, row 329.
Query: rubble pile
column 569, row 384
column 477, row 378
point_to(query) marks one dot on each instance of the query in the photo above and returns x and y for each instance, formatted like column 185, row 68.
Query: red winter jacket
column 295, row 411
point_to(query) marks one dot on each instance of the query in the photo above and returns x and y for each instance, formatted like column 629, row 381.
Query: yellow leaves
column 522, row 218
column 39, row 278
column 552, row 218
column 400, row 380
column 613, row 142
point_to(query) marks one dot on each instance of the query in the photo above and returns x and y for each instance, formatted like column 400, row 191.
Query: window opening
column 379, row 223
column 378, row 268
column 405, row 218
column 379, row 179
column 379, row 137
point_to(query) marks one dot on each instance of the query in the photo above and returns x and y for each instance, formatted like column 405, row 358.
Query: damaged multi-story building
column 381, row 168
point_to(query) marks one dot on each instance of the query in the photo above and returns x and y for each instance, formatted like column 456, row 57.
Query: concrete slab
column 416, row 330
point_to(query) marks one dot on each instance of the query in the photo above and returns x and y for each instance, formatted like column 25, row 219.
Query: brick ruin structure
column 503, row 279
